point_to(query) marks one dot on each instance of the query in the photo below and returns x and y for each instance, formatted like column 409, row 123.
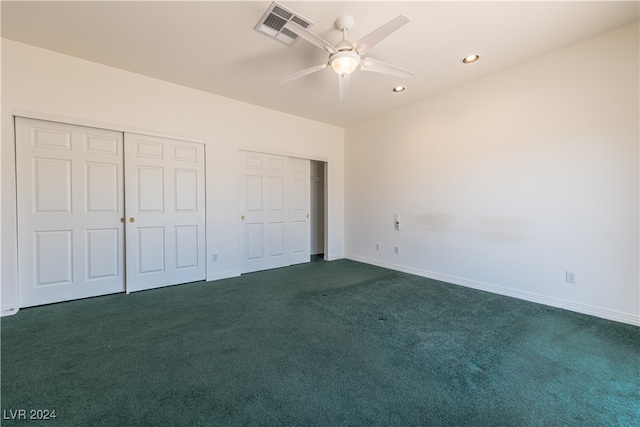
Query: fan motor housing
column 344, row 22
column 344, row 46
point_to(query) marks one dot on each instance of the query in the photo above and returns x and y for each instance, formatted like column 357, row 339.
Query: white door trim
column 282, row 153
column 78, row 121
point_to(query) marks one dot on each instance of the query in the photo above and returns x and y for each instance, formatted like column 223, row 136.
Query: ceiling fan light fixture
column 346, row 57
column 471, row 59
column 344, row 62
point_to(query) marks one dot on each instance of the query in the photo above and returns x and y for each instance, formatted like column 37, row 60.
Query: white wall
column 507, row 182
column 49, row 85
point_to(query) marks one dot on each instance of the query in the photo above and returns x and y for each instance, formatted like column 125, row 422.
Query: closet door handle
column 132, row 219
column 122, row 220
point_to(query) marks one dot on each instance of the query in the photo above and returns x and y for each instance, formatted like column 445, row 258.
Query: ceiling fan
column 346, row 57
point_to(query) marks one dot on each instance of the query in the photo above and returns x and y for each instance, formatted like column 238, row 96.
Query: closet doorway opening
column 318, row 209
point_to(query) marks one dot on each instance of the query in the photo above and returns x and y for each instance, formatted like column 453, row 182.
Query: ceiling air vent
column 273, row 21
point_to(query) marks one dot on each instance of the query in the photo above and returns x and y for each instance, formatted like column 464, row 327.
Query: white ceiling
column 211, row 45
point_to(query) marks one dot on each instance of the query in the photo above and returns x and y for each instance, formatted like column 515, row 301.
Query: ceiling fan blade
column 373, row 65
column 343, row 85
column 310, row 37
column 373, row 38
column 303, row 73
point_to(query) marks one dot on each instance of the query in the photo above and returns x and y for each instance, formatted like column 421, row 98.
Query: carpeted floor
column 325, row 343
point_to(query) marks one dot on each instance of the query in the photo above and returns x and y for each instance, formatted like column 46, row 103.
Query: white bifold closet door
column 71, row 212
column 274, row 210
column 165, row 212
column 299, row 211
column 70, row 203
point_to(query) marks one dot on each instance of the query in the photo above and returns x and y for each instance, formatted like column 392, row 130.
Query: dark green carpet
column 324, row 343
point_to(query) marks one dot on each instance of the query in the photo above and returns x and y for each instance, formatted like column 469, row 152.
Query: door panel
column 253, row 199
column 300, row 241
column 70, row 201
column 186, row 186
column 300, row 194
column 102, row 253
column 276, row 195
column 255, row 241
column 150, row 189
column 165, row 202
column 150, row 251
column 276, row 239
column 52, row 191
column 54, row 258
column 186, row 246
column 102, row 187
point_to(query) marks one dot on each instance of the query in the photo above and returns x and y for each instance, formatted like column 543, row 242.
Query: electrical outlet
column 396, row 250
column 377, row 246
column 570, row 276
column 214, row 257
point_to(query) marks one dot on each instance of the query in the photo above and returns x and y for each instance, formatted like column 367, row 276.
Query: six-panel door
column 300, row 197
column 70, row 203
column 165, row 212
column 274, row 211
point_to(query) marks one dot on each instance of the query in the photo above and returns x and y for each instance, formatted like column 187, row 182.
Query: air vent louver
column 281, row 12
column 300, row 21
column 289, row 34
column 275, row 18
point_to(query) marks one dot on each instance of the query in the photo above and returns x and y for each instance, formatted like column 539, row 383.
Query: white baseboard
column 515, row 293
column 223, row 275
column 8, row 311
column 333, row 257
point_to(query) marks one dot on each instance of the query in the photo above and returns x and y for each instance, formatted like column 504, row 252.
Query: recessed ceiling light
column 471, row 58
column 399, row 89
